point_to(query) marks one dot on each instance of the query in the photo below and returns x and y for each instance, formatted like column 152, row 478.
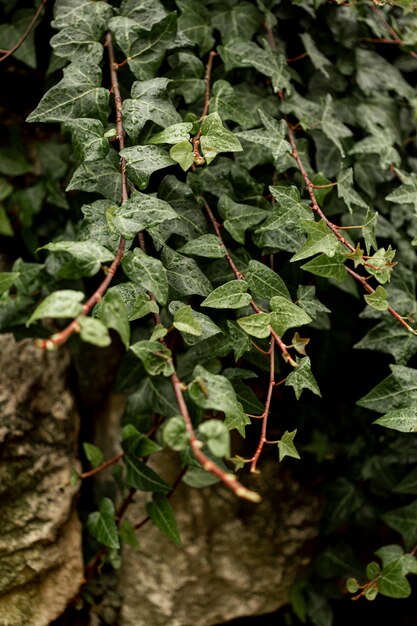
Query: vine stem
column 27, row 32
column 395, row 39
column 265, row 415
column 103, row 466
column 74, row 327
column 207, row 80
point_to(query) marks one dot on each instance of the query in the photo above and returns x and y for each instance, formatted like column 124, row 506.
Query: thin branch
column 27, row 32
column 103, row 466
column 199, row 160
column 303, row 55
column 265, row 415
column 395, row 39
column 74, row 326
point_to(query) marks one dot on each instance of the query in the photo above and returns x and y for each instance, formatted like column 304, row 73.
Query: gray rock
column 41, row 565
column 236, row 558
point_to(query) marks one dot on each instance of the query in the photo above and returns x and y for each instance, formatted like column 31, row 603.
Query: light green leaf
column 113, row 314
column 173, row 134
column 382, row 260
column 286, row 315
column 302, row 378
column 404, row 420
column 7, row 279
column 215, row 138
column 102, row 524
column 139, row 212
column 319, row 239
column 93, row 331
column 162, row 515
column 217, row 437
column 318, row 59
column 228, row 104
column 183, row 154
column 175, row 434
column 378, row 299
column 185, row 321
column 265, row 282
column 346, row 191
column 142, row 161
column 392, row 581
column 206, row 245
column 207, row 328
column 329, row 267
column 406, row 193
column 64, row 303
column 256, row 325
column 286, row 445
column 231, row 295
column 86, row 257
column 147, row 272
column 88, row 139
column 156, row 358
column 94, row 455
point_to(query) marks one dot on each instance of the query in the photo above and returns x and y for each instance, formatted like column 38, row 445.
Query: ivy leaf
column 378, row 299
column 7, row 279
column 144, row 49
column 102, row 524
column 306, row 299
column 94, row 455
column 175, row 434
column 334, row 129
column 60, row 304
column 139, row 212
column 406, row 193
column 392, row 338
column 285, row 314
column 256, row 325
column 93, row 331
column 302, row 378
column 113, row 314
column 206, row 245
column 264, row 282
column 286, row 445
column 147, row 272
column 128, row 535
column 140, row 476
column 288, row 210
column 183, row 154
column 14, row 32
column 318, row 59
column 173, row 134
column 97, row 226
column 162, row 515
column 88, row 139
column 404, row 420
column 184, row 276
column 368, row 230
column 237, row 22
column 185, row 321
column 319, row 239
column 231, row 295
column 186, row 74
column 156, row 358
column 77, row 95
column 228, row 104
column 272, row 136
column 207, row 328
column 195, row 23
column 142, row 161
column 101, row 176
column 398, row 390
column 371, row 67
column 382, row 261
column 215, row 138
column 217, row 437
column 239, row 217
column 211, row 391
column 346, row 191
column 87, row 257
column 240, row 341
column 329, row 267
column 392, row 581
column 404, row 521
column 149, row 102
column 137, row 444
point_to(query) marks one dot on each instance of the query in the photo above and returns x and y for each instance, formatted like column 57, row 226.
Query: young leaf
column 147, row 272
column 64, row 303
column 156, row 358
column 302, row 378
column 286, row 445
column 186, row 322
column 265, row 282
column 140, row 212
column 286, row 315
column 162, row 515
column 94, row 455
column 93, row 331
column 102, row 525
column 256, row 325
column 217, row 436
column 215, row 138
column 182, row 153
column 173, row 134
column 378, row 299
column 231, row 295
column 142, row 161
column 175, row 434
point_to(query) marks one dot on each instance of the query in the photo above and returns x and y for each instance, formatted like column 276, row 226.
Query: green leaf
column 147, row 272
column 88, row 139
column 156, row 358
column 231, row 295
column 128, row 535
column 404, row 521
column 113, row 314
column 272, row 136
column 135, row 443
column 173, row 134
column 239, row 217
column 93, row 331
column 5, row 226
column 175, row 434
column 15, row 31
column 184, row 276
column 319, row 239
column 404, row 420
column 140, row 212
column 102, row 177
column 346, row 191
column 306, row 299
column 195, row 23
column 185, row 321
column 286, row 445
column 94, row 455
column 140, row 476
column 207, row 328
column 215, row 138
column 144, row 49
column 225, row 101
column 398, row 390
column 390, row 337
column 240, row 341
column 86, row 260
column 78, row 94
column 286, row 315
column 7, row 279
column 406, row 193
column 102, row 525
column 256, row 325
column 329, row 267
column 97, row 224
column 237, row 22
column 217, row 437
column 206, row 245
column 13, row 163
column 378, row 299
column 372, row 67
column 302, row 378
column 382, row 261
column 162, row 515
column 150, row 102
column 186, row 73
column 317, row 58
column 183, row 154
column 392, row 581
column 264, row 282
column 59, row 304
column 142, row 161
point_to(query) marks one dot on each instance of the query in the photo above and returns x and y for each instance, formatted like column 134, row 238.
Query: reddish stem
column 103, row 466
column 27, row 32
column 265, row 415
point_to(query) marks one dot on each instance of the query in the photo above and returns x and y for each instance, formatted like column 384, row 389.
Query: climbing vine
column 221, row 173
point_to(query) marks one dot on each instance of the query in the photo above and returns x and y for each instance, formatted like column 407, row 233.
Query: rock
column 236, row 558
column 41, row 566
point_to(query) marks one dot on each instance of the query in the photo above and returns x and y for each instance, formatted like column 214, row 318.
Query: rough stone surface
column 40, row 540
column 236, row 558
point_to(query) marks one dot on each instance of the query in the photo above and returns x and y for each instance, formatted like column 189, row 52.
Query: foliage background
column 347, row 75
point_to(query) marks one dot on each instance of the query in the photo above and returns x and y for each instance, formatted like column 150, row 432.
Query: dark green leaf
column 162, row 515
